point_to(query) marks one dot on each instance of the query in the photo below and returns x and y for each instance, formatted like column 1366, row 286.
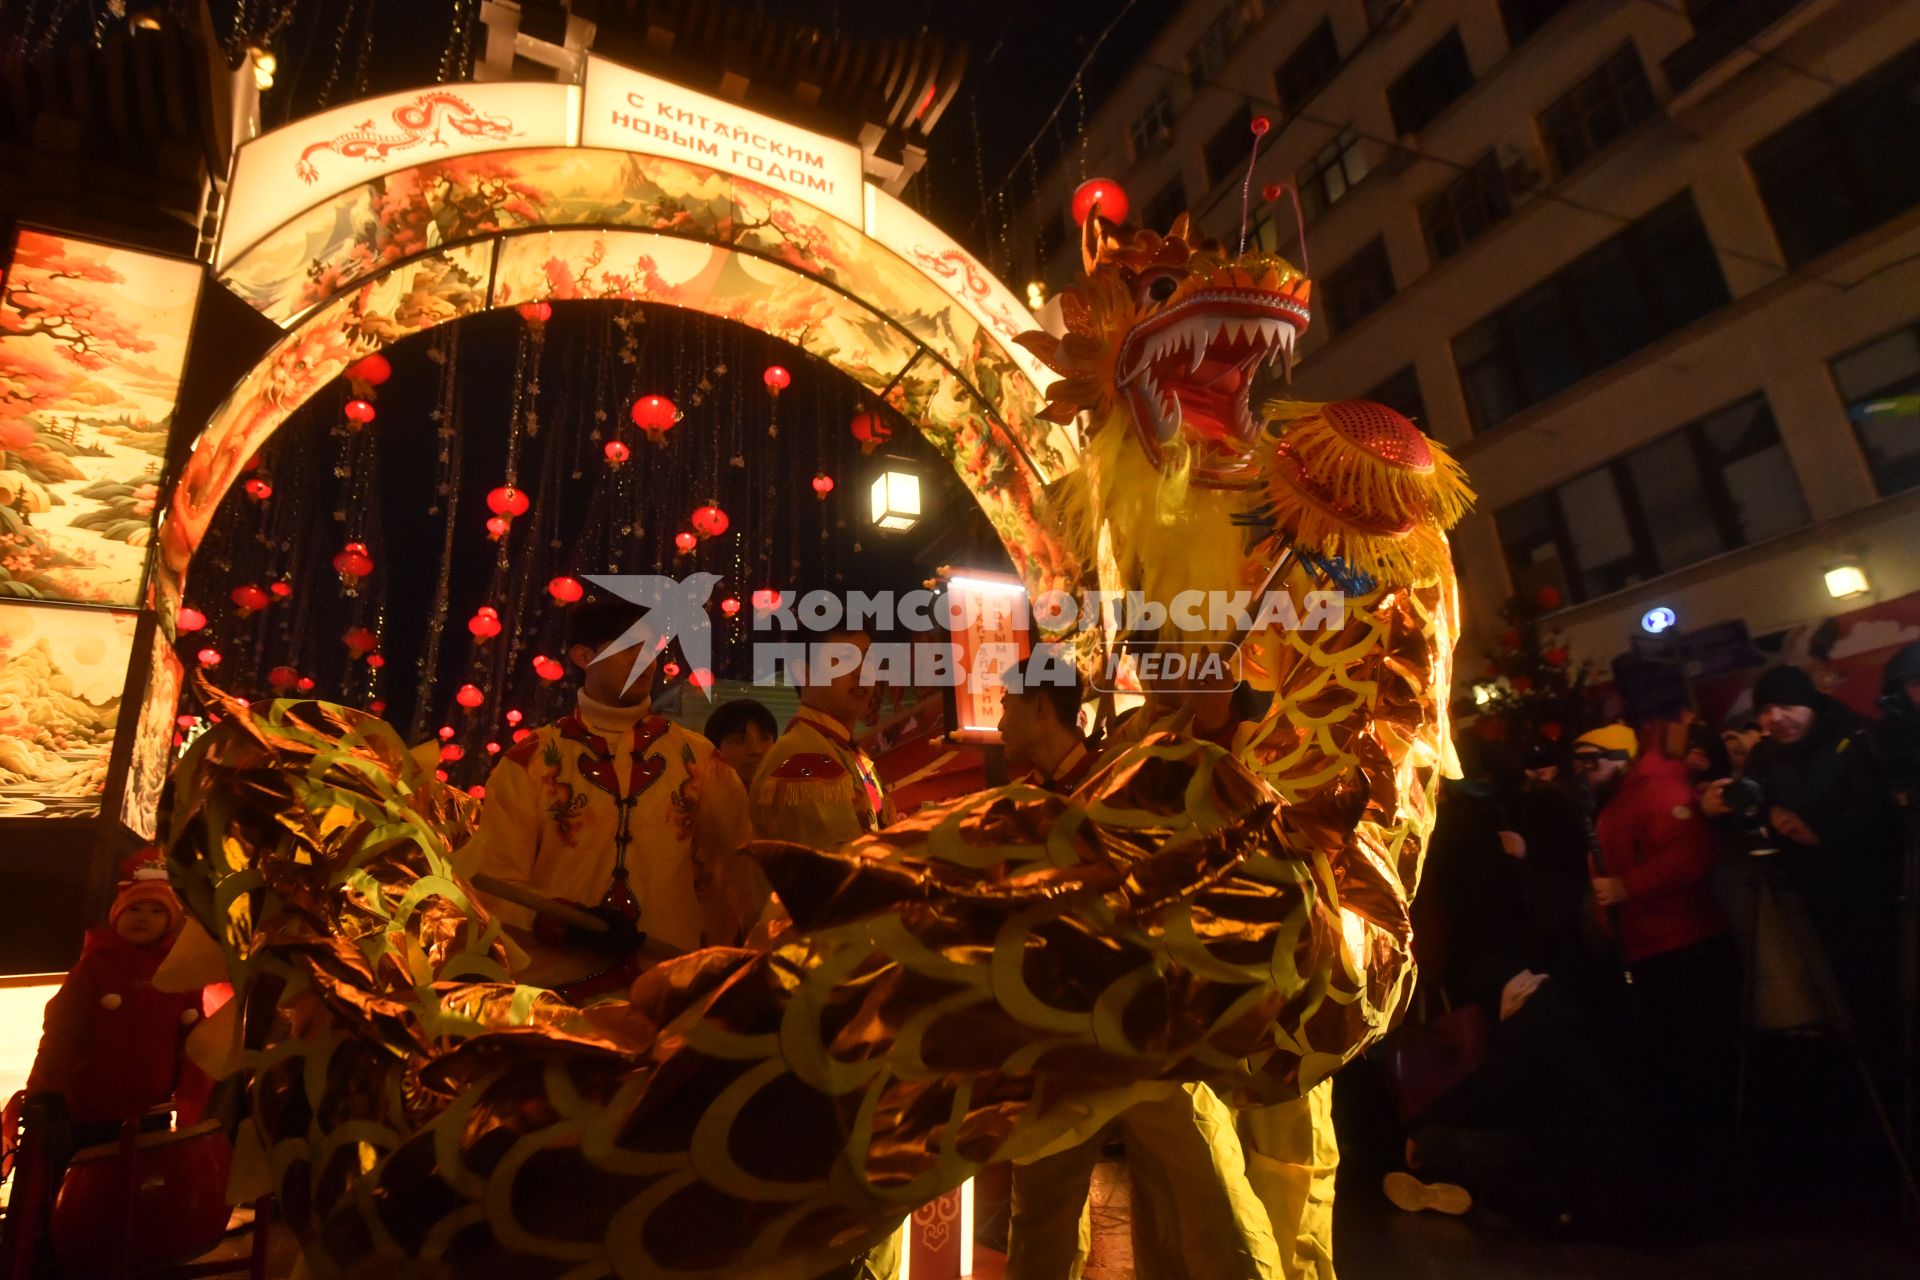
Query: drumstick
column 540, row 904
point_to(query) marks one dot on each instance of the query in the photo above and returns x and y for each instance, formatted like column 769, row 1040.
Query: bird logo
column 676, row 609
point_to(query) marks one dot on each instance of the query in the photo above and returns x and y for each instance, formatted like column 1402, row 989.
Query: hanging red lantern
column 508, row 501
column 259, row 488
column 359, row 412
column 451, row 752
column 565, row 590
column 376, row 660
column 189, row 619
column 209, row 656
column 701, row 679
column 446, row 732
column 186, row 722
column 1102, row 194
column 536, row 313
column 685, row 541
column 439, row 775
column 283, row 678
column 709, row 521
column 359, row 641
column 280, row 590
column 823, row 484
column 617, row 452
column 378, row 706
column 777, row 379
column 469, row 696
column 304, row 684
column 1548, row 597
column 655, row 414
column 670, row 669
column 766, row 600
column 521, row 735
column 513, row 717
column 493, row 748
column 485, row 623
column 870, row 429
column 250, row 599
column 497, row 527
column 730, row 606
column 352, row 564
column 371, row 371
column 1555, row 657
column 546, row 668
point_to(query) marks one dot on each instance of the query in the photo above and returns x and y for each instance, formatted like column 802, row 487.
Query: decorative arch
column 893, row 303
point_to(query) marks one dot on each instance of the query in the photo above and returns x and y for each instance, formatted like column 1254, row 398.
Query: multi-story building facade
column 1643, row 264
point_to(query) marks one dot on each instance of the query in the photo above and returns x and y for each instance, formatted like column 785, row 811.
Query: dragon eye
column 1161, row 288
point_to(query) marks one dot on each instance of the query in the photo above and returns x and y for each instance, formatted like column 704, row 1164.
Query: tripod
column 1835, row 1012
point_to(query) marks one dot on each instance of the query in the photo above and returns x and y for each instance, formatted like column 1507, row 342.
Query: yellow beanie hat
column 1612, row 739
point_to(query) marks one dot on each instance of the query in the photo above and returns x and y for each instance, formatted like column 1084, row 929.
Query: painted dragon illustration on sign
column 421, row 121
column 970, row 984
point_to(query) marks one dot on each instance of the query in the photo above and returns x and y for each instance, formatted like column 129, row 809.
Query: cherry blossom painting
column 92, row 343
column 62, row 671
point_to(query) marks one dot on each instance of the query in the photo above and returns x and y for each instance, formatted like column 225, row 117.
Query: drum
column 178, row 1184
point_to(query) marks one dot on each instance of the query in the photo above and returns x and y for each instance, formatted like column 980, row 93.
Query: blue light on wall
column 1657, row 619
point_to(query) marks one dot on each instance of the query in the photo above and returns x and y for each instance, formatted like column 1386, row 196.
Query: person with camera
column 1653, row 856
column 1813, row 784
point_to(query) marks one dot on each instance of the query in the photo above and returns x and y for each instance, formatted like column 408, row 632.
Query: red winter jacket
column 112, row 1045
column 1653, row 839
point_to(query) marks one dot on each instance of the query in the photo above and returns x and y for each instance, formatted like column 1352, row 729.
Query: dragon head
column 1173, row 330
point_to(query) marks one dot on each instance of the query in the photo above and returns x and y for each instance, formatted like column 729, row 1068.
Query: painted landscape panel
column 61, row 676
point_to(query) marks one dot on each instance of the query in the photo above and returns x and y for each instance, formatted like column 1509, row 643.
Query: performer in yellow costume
column 816, row 786
column 612, row 800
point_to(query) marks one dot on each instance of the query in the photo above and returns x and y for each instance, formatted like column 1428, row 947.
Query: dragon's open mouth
column 1191, row 365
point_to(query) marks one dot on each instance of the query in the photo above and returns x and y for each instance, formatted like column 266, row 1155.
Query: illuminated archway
column 892, row 302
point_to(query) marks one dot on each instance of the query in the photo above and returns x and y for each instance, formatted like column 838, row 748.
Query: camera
column 1744, row 798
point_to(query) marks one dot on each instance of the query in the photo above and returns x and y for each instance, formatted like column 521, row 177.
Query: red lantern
column 508, row 501
column 359, row 412
column 283, row 677
column 359, row 640
column 521, row 735
column 372, row 371
column 730, row 606
column 1556, row 656
column 546, row 668
column 259, row 488
column 685, row 541
column 513, row 717
column 352, row 564
column 670, row 669
column 280, row 590
column 777, row 379
column 565, row 590
column 1548, row 597
column 1551, row 730
column 378, row 706
column 376, row 660
column 440, row 775
column 446, row 732
column 701, row 679
column 766, row 600
column 493, row 748
column 536, row 313
column 186, row 722
column 870, row 429
column 709, row 521
column 485, row 622
column 497, row 527
column 469, row 696
column 823, row 484
column 209, row 657
column 655, row 414
column 617, row 453
column 1102, row 194
column 304, row 684
column 477, row 791
column 189, row 619
column 250, row 599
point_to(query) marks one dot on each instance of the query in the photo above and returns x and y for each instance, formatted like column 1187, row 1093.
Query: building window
column 1886, row 368
column 1709, row 487
column 1720, row 29
column 1431, row 85
column 1358, row 287
column 1308, row 68
column 1152, row 129
column 1524, row 18
column 1847, row 166
column 1599, row 109
column 1401, row 393
column 1167, row 204
column 1466, row 208
column 1627, row 292
column 1227, row 151
column 1340, row 164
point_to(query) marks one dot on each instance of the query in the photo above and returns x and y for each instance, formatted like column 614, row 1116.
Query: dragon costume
column 974, row 983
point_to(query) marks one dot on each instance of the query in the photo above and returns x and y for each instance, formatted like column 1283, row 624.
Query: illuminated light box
column 629, row 110
column 896, row 500
column 62, row 673
column 281, row 174
column 95, row 339
column 990, row 630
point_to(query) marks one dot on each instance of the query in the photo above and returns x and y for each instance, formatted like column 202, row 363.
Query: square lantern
column 896, row 499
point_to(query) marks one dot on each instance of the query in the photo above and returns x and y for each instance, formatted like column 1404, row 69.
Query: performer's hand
column 1609, row 891
column 1519, row 989
column 1513, row 844
column 1789, row 824
column 1713, row 801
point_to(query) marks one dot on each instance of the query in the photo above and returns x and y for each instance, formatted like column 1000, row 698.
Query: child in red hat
column 112, row 1044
